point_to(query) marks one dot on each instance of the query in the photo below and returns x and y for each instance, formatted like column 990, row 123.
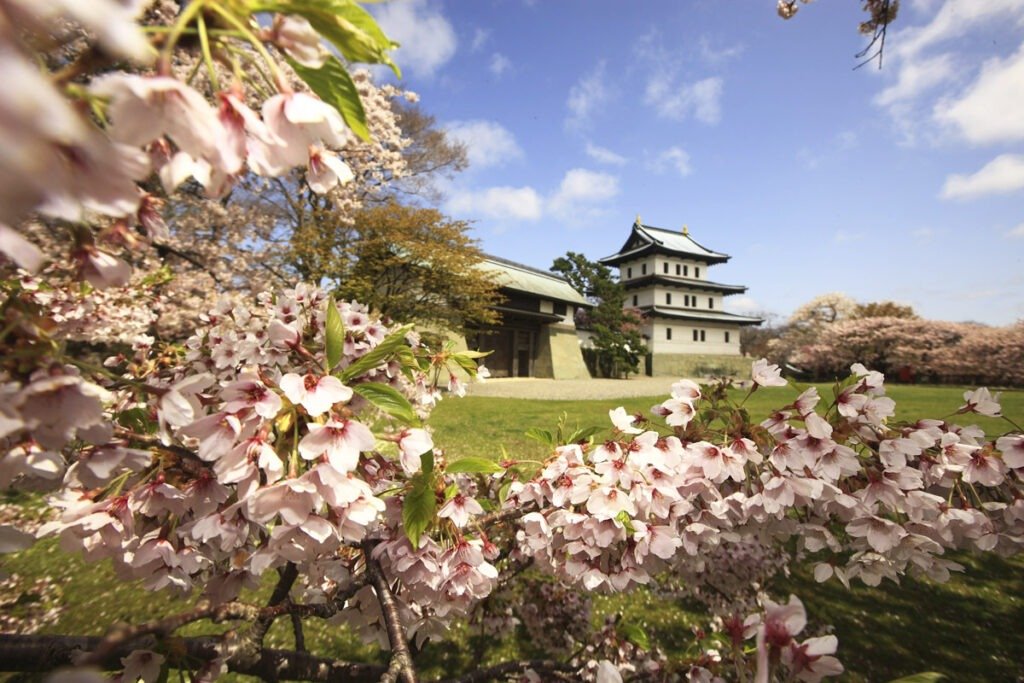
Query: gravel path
column 570, row 389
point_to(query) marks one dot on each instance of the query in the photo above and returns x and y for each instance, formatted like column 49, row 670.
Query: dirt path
column 571, row 389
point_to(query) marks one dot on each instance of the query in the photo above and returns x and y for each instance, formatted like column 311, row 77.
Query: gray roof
column 521, row 278
column 710, row 316
column 645, row 238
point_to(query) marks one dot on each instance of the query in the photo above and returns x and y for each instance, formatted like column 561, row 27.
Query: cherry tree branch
column 401, row 666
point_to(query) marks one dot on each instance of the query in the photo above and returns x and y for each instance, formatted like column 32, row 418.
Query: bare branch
column 401, row 659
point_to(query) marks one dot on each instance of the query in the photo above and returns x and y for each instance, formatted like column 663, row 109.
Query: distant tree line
column 825, row 336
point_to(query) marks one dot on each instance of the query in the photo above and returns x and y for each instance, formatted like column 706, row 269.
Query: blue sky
column 757, row 133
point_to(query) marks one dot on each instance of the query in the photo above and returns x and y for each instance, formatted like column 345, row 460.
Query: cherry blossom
column 766, row 375
column 316, row 394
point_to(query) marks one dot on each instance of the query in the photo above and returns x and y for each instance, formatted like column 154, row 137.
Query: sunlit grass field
column 971, row 629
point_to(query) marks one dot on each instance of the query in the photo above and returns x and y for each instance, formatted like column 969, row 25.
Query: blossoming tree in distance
column 283, row 444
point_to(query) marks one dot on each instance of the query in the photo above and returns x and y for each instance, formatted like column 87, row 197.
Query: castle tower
column 666, row 275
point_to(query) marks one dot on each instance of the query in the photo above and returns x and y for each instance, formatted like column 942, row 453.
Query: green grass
column 481, row 426
column 971, row 628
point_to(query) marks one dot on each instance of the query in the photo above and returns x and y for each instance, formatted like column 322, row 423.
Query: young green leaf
column 474, row 466
column 343, row 23
column 542, row 435
column 388, row 399
column 378, row 356
column 634, row 634
column 419, row 507
column 335, row 87
column 335, row 334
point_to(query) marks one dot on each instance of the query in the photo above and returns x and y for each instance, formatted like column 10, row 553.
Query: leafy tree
column 410, row 264
column 429, row 155
column 616, row 331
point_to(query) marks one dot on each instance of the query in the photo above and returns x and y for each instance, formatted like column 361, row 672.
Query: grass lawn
column 971, row 628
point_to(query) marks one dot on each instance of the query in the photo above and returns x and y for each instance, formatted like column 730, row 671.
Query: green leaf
column 582, row 434
column 137, row 420
column 474, row 354
column 634, row 634
column 467, row 364
column 335, row 335
column 378, row 356
column 419, row 507
column 541, row 435
column 503, row 492
column 474, row 466
column 923, row 677
column 346, row 25
column 335, row 87
column 427, row 462
column 388, row 399
column 626, row 521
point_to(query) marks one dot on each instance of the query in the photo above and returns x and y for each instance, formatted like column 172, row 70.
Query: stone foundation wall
column 700, row 365
column 558, row 354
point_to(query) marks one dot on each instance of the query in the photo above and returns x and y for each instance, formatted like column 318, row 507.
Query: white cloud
column 604, row 155
column 1003, row 174
column 499, row 64
column 717, row 55
column 585, row 96
column 742, row 304
column 498, row 203
column 953, row 20
column 426, row 36
column 992, row 108
column 488, row 143
column 1016, row 233
column 673, row 157
column 480, row 38
column 931, row 61
column 915, row 77
column 674, row 99
column 844, row 237
column 581, row 196
column 581, row 193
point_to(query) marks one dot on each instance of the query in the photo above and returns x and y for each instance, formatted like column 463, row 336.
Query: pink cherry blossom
column 341, row 441
column 316, row 394
column 766, row 375
column 412, row 443
column 1012, row 448
column 459, row 509
column 982, row 402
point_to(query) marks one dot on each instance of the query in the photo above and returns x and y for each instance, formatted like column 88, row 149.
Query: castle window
column 686, row 271
column 726, row 337
column 560, row 308
column 634, row 299
column 664, row 267
column 668, row 297
column 643, row 269
column 629, row 273
column 702, row 335
column 696, row 335
column 686, row 299
column 668, row 333
column 677, row 269
column 696, row 271
column 711, row 302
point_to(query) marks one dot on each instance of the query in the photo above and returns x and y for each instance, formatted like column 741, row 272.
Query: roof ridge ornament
column 686, row 230
column 637, row 221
